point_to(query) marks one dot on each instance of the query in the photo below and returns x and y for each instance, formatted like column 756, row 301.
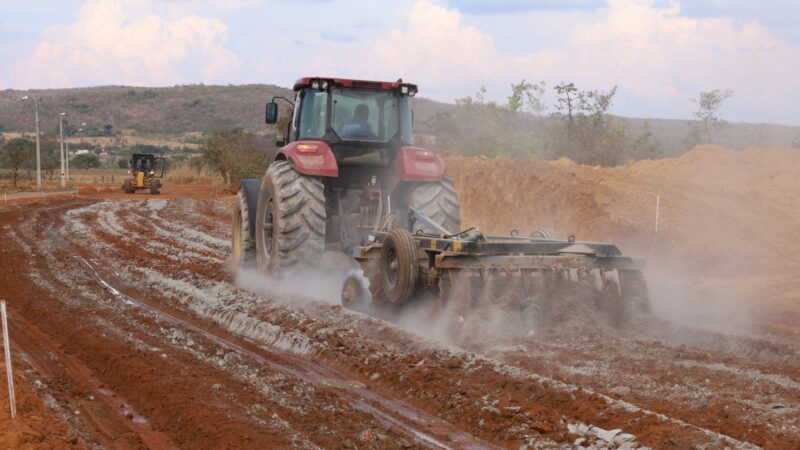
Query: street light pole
column 72, row 134
column 61, row 131
column 38, row 146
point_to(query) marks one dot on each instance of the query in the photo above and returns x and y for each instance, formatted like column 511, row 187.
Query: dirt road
column 130, row 332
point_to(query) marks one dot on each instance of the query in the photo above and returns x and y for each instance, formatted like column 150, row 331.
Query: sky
column 659, row 53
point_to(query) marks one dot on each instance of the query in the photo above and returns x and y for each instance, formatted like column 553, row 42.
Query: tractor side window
column 313, row 114
column 406, row 121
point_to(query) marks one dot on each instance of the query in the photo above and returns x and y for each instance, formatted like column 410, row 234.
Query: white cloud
column 127, row 42
column 658, row 57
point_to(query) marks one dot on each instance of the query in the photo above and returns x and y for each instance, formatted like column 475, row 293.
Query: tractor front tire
column 155, row 186
column 290, row 219
column 242, row 245
column 439, row 201
column 126, row 187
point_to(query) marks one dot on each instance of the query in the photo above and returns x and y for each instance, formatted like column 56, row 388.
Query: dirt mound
column 722, row 211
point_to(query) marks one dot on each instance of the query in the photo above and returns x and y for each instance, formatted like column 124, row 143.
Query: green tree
column 18, row 153
column 527, row 96
column 707, row 113
column 234, row 153
column 584, row 131
column 566, row 108
column 86, row 161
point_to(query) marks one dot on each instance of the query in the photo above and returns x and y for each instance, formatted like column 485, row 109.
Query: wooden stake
column 658, row 208
column 12, row 400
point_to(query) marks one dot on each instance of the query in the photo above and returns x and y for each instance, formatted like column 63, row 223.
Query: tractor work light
column 320, row 85
column 424, row 155
column 408, row 90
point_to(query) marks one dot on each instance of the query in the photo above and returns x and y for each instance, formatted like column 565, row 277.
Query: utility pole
column 61, row 131
column 72, row 134
column 38, row 146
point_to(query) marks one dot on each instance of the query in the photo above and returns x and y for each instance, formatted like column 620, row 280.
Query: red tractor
column 346, row 168
column 348, row 178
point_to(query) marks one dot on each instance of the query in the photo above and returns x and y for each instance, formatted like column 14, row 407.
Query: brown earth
column 129, row 331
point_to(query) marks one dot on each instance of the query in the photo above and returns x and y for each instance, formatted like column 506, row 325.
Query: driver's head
column 362, row 112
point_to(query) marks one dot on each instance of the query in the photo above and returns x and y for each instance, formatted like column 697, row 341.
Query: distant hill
column 146, row 110
column 201, row 108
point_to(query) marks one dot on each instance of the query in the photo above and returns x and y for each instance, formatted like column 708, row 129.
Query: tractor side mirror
column 272, row 113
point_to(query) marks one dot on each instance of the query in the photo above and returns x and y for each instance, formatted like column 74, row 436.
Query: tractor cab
column 361, row 121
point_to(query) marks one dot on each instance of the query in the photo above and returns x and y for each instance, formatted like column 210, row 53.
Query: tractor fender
column 310, row 158
column 250, row 189
column 418, row 164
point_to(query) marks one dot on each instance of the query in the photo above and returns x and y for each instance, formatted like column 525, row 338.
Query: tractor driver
column 357, row 126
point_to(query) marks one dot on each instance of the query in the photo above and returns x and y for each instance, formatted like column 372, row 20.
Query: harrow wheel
column 355, row 291
column 633, row 292
column 399, row 266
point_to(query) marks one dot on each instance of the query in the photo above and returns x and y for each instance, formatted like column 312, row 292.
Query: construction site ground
column 129, row 329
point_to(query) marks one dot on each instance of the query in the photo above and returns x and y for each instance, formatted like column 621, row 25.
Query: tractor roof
column 142, row 155
column 358, row 84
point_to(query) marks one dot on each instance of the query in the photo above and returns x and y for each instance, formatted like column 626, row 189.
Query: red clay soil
column 130, row 331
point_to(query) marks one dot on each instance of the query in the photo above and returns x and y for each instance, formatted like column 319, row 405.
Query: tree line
column 578, row 127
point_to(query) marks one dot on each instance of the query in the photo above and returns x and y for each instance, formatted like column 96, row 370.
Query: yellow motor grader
column 147, row 171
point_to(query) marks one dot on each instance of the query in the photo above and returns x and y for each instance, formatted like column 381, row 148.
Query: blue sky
column 659, row 53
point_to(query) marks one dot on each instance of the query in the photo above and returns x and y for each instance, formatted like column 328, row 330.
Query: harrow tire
column 399, row 266
column 290, row 219
column 243, row 247
column 439, row 201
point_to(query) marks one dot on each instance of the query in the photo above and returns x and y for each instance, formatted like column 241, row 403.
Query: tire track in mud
column 418, row 425
column 350, row 423
column 507, row 368
column 681, row 423
column 392, row 414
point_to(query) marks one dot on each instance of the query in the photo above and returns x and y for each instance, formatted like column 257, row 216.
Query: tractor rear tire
column 155, row 186
column 126, row 186
column 242, row 243
column 439, row 201
column 290, row 219
column 399, row 266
